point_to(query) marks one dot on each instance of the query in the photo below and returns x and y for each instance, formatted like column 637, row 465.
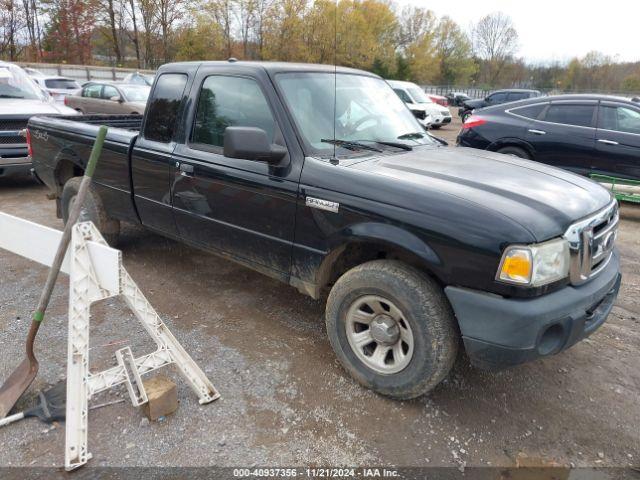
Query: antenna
column 335, row 76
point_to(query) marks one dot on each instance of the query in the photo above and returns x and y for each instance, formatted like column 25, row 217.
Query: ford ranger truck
column 322, row 178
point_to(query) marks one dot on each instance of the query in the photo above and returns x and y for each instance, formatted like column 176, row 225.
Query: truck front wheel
column 392, row 328
column 92, row 210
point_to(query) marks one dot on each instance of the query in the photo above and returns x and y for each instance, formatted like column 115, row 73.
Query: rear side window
column 579, row 115
column 620, row 119
column 164, row 106
column 92, row 91
column 226, row 102
column 530, row 111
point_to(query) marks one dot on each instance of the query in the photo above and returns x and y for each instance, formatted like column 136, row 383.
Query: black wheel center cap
column 385, row 330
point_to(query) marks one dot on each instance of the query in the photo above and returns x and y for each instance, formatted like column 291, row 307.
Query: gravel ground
column 286, row 401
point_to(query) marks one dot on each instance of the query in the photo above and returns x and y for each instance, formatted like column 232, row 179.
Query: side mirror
column 251, row 143
column 116, row 98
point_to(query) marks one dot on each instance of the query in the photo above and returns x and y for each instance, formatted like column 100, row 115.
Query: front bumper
column 500, row 332
column 11, row 165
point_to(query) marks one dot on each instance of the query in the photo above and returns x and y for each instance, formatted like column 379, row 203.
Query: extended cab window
column 230, row 101
column 164, row 106
column 92, row 91
column 620, row 119
column 579, row 115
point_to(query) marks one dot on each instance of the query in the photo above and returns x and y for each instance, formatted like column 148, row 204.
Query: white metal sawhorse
column 96, row 273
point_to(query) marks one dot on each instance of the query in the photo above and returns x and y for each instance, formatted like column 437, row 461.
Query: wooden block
column 163, row 397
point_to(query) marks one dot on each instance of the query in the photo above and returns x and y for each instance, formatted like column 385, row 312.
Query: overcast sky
column 556, row 29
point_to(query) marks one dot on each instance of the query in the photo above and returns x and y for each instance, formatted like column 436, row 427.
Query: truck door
column 151, row 163
column 618, row 141
column 564, row 135
column 242, row 208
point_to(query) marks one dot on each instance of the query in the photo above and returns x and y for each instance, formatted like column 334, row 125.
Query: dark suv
column 496, row 98
column 583, row 133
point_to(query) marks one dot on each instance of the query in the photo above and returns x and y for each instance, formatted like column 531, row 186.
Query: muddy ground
column 286, row 401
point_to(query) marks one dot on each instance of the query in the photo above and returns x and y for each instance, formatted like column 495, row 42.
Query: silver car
column 20, row 99
column 57, row 87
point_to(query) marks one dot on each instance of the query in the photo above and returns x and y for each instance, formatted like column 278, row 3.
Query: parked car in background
column 456, row 99
column 583, row 133
column 106, row 97
column 138, row 78
column 429, row 114
column 57, row 87
column 20, row 98
column 439, row 99
column 496, row 98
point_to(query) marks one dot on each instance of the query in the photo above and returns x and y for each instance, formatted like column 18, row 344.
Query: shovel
column 21, row 378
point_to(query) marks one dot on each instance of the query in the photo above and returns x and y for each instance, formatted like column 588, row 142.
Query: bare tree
column 495, row 40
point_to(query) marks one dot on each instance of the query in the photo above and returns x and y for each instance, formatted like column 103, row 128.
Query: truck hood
column 542, row 199
column 18, row 106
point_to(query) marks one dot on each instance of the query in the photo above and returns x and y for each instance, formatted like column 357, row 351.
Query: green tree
column 453, row 50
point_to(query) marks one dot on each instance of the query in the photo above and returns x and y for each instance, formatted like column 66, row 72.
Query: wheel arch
column 65, row 168
column 374, row 241
column 512, row 142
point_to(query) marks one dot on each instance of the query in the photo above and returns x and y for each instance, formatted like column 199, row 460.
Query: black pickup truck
column 324, row 179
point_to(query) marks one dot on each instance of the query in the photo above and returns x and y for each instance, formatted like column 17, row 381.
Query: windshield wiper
column 403, row 146
column 4, row 95
column 350, row 144
column 411, row 136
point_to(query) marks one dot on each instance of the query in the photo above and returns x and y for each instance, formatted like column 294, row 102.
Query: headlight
column 535, row 265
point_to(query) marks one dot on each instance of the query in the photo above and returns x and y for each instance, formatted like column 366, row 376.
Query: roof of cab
column 273, row 67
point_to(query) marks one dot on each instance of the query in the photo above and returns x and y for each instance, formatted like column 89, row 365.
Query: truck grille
column 10, row 131
column 591, row 243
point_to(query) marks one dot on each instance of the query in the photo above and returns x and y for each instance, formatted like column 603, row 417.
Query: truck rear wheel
column 92, row 210
column 392, row 328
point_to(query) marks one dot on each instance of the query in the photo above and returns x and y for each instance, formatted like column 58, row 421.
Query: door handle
column 537, row 132
column 608, row 142
column 186, row 170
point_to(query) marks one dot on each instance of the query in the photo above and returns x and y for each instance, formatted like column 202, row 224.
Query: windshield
column 418, row 95
column 15, row 83
column 135, row 93
column 366, row 110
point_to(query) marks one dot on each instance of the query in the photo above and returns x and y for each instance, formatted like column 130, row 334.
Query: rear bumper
column 14, row 164
column 500, row 332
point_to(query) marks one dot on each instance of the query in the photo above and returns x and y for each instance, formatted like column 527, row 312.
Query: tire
column 436, row 127
column 425, row 315
column 93, row 210
column 515, row 152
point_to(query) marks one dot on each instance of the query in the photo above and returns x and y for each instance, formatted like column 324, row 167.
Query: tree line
column 407, row 42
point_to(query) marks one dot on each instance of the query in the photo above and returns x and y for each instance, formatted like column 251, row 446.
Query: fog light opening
column 551, row 340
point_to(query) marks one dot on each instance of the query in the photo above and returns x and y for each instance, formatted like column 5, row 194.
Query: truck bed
column 67, row 140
